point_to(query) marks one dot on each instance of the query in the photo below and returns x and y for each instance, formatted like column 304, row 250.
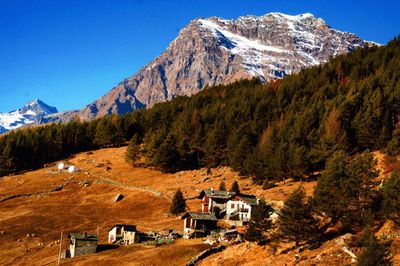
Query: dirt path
column 107, row 181
column 57, row 188
column 100, row 180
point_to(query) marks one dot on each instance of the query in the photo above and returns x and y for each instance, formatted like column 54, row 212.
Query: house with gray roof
column 82, row 244
column 198, row 224
column 214, row 201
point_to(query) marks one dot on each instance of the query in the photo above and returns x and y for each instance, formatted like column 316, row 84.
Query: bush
column 268, row 184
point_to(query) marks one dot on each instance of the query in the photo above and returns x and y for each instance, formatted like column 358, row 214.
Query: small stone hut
column 81, row 244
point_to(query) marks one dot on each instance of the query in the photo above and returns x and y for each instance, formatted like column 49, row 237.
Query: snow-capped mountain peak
column 33, row 112
column 213, row 51
column 37, row 107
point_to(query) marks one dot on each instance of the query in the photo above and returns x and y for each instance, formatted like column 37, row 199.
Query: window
column 232, row 206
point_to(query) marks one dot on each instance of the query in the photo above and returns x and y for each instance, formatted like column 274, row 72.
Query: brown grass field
column 30, row 225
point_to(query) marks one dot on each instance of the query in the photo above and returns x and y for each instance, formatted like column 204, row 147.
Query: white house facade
column 123, row 233
column 238, row 209
column 212, row 199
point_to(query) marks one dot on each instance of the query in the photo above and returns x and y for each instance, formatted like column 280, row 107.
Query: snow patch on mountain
column 241, row 44
column 252, row 51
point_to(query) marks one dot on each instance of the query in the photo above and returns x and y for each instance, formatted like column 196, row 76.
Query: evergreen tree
column 133, row 151
column 344, row 191
column 235, row 187
column 391, row 197
column 239, row 154
column 296, row 222
column 178, row 204
column 222, row 186
column 328, row 196
column 107, row 133
column 167, row 155
column 260, row 222
column 375, row 252
column 215, row 145
column 362, row 172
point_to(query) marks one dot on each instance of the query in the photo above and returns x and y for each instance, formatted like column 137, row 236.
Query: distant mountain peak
column 34, row 112
column 38, row 107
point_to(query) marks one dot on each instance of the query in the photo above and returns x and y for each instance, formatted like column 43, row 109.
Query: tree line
column 286, row 128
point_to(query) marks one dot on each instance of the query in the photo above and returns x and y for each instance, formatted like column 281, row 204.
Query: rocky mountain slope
column 35, row 112
column 217, row 51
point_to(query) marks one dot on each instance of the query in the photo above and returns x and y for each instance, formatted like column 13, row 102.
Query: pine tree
column 167, row 156
column 178, row 204
column 133, row 151
column 391, row 197
column 344, row 191
column 107, row 132
column 222, row 186
column 375, row 252
column 260, row 222
column 239, row 154
column 215, row 145
column 296, row 222
column 327, row 194
column 235, row 187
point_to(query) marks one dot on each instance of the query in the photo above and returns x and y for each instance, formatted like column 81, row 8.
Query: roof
column 249, row 199
column 84, row 236
column 217, row 194
column 127, row 227
column 200, row 216
column 231, row 231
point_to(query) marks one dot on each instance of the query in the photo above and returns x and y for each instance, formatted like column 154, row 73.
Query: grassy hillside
column 85, row 208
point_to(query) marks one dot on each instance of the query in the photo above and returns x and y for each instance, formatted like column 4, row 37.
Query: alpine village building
column 235, row 208
column 123, row 234
column 82, row 244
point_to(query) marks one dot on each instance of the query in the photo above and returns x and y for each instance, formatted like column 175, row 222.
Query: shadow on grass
column 105, row 247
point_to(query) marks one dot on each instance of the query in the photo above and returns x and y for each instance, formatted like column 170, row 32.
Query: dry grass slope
column 84, row 208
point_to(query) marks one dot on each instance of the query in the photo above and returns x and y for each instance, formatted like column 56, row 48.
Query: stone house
column 81, row 244
column 198, row 224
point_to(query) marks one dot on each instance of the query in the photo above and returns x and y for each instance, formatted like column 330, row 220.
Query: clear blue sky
column 70, row 52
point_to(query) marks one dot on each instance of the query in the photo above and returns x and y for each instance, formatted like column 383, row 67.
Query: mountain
column 217, row 51
column 34, row 112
